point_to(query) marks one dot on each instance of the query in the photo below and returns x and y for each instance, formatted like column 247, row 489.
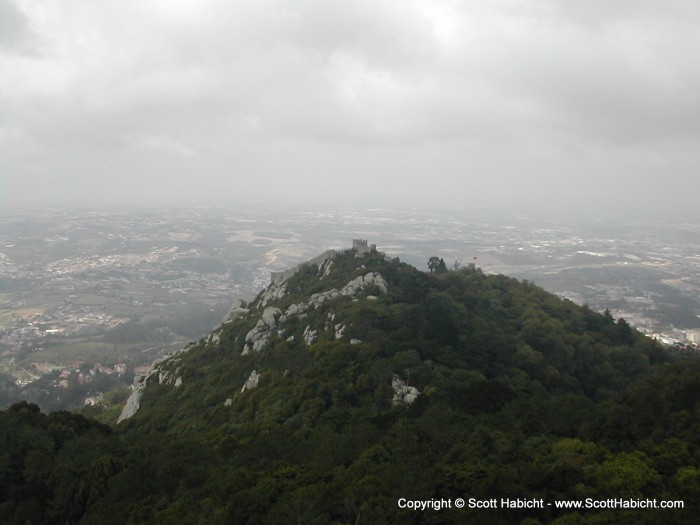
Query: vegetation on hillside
column 523, row 395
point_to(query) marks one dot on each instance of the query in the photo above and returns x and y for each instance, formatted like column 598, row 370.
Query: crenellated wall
column 361, row 246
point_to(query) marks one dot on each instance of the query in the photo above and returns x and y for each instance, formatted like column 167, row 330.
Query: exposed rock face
column 271, row 322
column 157, row 371
column 272, row 293
column 324, row 268
column 351, row 289
column 310, row 336
column 403, row 395
column 318, row 298
column 296, row 309
column 272, row 318
column 364, row 281
column 132, row 404
column 252, row 381
column 237, row 310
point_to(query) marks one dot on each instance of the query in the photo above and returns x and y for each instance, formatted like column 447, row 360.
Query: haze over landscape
column 159, row 159
column 368, row 102
column 355, row 262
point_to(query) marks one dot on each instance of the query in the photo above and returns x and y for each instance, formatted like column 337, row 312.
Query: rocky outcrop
column 310, row 336
column 296, row 309
column 252, row 381
column 237, row 310
column 132, row 404
column 271, row 316
column 324, row 269
column 351, row 289
column 273, row 292
column 160, row 369
column 360, row 283
column 270, row 322
column 403, row 395
column 318, row 298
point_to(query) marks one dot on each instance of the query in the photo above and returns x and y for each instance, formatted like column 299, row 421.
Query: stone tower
column 360, row 245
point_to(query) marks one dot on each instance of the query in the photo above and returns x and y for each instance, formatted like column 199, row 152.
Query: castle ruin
column 359, row 245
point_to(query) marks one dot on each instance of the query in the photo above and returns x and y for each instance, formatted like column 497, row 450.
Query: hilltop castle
column 359, row 245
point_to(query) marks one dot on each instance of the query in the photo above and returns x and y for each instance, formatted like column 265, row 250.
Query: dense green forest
column 522, row 395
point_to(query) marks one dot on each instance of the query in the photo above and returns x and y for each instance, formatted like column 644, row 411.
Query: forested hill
column 359, row 381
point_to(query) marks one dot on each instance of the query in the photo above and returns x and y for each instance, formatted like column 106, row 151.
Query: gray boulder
column 252, row 381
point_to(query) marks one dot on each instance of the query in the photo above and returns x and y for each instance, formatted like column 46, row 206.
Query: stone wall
column 280, row 277
column 359, row 245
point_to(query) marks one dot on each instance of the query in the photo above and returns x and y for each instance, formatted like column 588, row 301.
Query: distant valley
column 89, row 298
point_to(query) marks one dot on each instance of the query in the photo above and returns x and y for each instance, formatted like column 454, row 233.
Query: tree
column 437, row 265
column 433, row 263
column 608, row 316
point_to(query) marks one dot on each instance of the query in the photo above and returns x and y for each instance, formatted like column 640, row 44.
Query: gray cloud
column 383, row 101
column 16, row 34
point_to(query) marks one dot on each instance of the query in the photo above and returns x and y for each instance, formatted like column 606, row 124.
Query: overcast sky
column 366, row 101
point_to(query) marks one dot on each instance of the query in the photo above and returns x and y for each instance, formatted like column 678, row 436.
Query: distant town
column 89, row 299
